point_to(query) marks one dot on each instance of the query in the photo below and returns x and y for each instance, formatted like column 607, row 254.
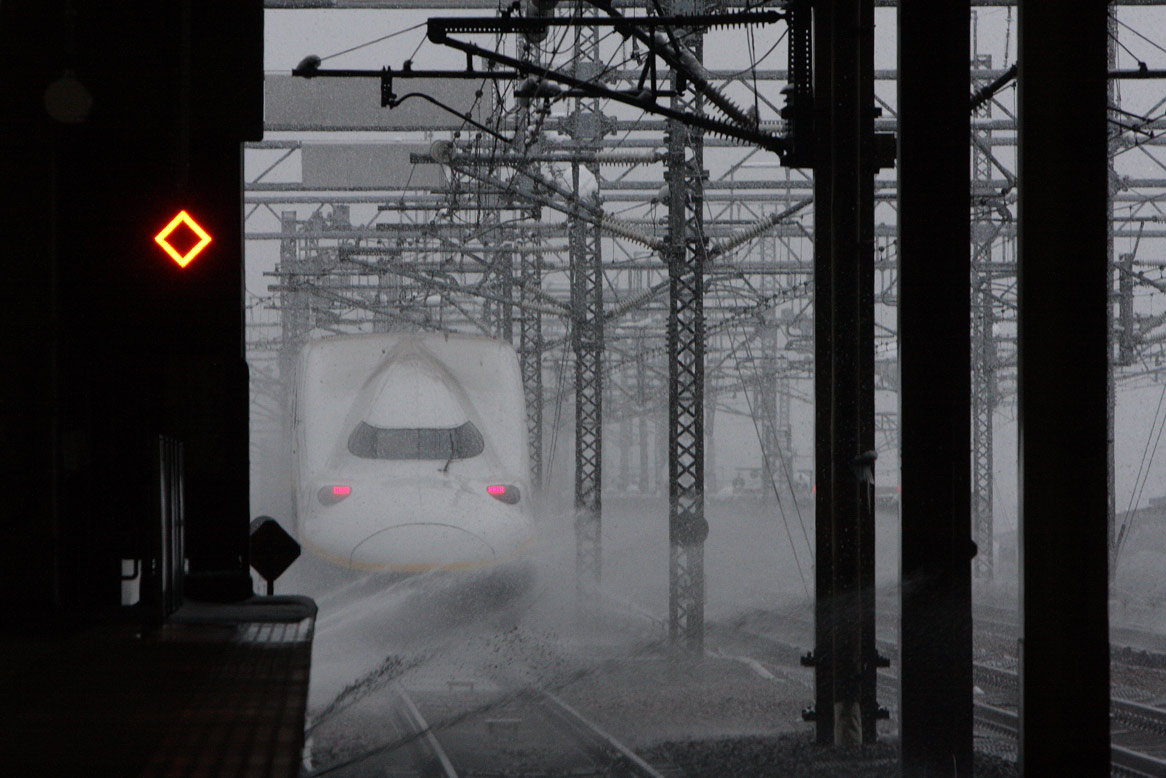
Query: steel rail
column 423, row 734
column 624, row 762
column 1124, row 761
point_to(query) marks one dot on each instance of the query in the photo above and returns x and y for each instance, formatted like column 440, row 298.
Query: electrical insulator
column 533, row 9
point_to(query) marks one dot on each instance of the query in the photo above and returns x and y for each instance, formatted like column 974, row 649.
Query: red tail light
column 504, row 493
column 330, row 495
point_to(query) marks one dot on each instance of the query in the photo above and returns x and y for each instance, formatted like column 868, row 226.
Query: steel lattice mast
column 983, row 342
column 587, row 336
column 529, row 316
column 685, row 256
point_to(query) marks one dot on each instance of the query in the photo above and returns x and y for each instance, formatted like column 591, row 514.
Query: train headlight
column 332, row 494
column 507, row 493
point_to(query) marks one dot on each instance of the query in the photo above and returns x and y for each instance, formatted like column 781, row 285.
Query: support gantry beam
column 935, row 633
column 491, row 6
column 1064, row 643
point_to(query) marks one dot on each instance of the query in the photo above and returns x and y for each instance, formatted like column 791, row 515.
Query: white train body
column 411, row 453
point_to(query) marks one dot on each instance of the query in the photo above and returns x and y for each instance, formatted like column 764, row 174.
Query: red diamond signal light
column 183, row 259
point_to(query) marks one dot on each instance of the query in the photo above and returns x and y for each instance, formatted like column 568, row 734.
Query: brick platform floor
column 219, row 690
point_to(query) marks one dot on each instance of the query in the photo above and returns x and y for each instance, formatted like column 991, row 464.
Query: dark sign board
column 272, row 549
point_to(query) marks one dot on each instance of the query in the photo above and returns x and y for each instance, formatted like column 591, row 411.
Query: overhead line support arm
column 726, row 129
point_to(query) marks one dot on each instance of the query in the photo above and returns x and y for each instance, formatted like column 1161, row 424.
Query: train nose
column 416, row 546
column 411, row 527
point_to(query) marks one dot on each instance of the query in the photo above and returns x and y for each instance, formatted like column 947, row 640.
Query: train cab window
column 369, row 442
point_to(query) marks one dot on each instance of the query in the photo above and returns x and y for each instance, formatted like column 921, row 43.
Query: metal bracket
column 885, row 150
column 727, row 129
column 388, row 99
column 440, row 27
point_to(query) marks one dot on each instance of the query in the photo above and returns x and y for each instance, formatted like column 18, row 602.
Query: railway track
column 1002, row 622
column 481, row 729
column 1138, row 730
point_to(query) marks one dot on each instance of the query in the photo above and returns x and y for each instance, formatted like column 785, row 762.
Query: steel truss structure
column 983, row 344
column 587, row 326
column 530, row 354
column 534, row 258
column 686, row 258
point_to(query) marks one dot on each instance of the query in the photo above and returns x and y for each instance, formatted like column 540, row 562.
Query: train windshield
column 369, row 442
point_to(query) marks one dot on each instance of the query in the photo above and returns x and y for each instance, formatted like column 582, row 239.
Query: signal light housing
column 332, row 494
column 507, row 493
column 183, row 259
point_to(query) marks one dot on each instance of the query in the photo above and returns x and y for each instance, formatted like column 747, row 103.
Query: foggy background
column 758, row 554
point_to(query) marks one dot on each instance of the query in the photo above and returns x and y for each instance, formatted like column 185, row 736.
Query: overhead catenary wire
column 785, row 469
column 375, row 41
column 773, row 483
column 1143, row 476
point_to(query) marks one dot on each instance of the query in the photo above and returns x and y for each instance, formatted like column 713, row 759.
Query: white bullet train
column 410, row 452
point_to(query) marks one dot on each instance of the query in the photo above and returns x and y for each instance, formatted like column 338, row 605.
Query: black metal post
column 823, row 656
column 844, row 168
column 1064, row 644
column 935, row 635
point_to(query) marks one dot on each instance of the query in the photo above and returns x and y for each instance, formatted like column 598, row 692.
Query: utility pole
column 294, row 320
column 983, row 342
column 530, row 322
column 765, row 367
column 845, row 163
column 1064, row 692
column 935, row 628
column 530, row 356
column 1125, row 300
column 587, row 336
column 685, row 257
